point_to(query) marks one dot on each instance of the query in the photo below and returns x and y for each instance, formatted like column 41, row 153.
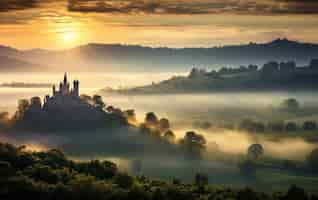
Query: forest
column 51, row 175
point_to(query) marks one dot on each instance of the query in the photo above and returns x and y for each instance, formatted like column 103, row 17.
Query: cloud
column 17, row 5
column 188, row 7
column 191, row 7
column 9, row 5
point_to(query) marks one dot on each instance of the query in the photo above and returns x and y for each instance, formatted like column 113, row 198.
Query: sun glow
column 69, row 37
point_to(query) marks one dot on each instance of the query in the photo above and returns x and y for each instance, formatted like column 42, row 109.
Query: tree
column 23, row 106
column 255, row 151
column 269, row 69
column 201, row 179
column 35, row 104
column 164, row 125
column 251, row 126
column 194, row 143
column 86, row 98
column 296, row 193
column 151, row 120
column 4, row 119
column 98, row 101
column 169, row 136
column 252, row 67
column 312, row 160
column 36, row 101
column 309, row 126
column 130, row 115
column 124, row 180
column 277, row 126
column 290, row 105
column 194, row 73
column 247, row 194
column 6, row 170
column 291, row 127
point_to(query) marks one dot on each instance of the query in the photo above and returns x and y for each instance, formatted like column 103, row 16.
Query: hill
column 116, row 57
column 273, row 76
column 51, row 175
column 8, row 64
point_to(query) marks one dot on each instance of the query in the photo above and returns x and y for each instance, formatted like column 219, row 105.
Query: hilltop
column 272, row 76
column 117, row 57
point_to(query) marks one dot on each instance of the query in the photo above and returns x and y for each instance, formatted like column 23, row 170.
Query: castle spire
column 65, row 78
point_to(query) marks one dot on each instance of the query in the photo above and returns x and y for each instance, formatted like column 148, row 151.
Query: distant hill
column 272, row 76
column 116, row 57
column 25, row 85
column 9, row 64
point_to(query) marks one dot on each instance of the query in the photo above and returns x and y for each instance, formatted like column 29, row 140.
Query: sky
column 62, row 24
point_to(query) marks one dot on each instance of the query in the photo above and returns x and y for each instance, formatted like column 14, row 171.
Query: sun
column 69, row 37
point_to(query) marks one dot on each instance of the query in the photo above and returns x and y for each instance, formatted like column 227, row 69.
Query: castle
column 64, row 88
column 66, row 110
column 65, row 96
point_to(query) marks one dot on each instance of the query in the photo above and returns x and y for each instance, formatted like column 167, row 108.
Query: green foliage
column 290, row 105
column 194, row 144
column 124, row 180
column 98, row 101
column 50, row 175
column 164, row 125
column 151, row 120
column 296, row 193
column 201, row 179
column 101, row 170
column 312, row 160
column 23, row 106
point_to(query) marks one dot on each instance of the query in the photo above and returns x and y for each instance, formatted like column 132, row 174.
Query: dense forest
column 51, row 175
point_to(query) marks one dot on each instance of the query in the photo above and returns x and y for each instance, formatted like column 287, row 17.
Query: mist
column 139, row 154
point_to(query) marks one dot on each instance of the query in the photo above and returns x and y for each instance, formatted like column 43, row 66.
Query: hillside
column 272, row 76
column 116, row 57
column 8, row 64
column 51, row 175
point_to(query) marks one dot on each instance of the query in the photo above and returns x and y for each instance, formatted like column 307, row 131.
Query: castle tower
column 60, row 87
column 76, row 88
column 54, row 90
column 65, row 79
column 65, row 86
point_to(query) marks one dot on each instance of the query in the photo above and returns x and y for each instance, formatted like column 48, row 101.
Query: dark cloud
column 173, row 6
column 195, row 6
column 297, row 6
column 9, row 5
column 14, row 5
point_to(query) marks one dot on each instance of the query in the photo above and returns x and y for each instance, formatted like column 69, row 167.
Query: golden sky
column 58, row 24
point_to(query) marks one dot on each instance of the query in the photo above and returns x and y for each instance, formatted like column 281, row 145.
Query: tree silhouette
column 255, row 151
column 151, row 120
column 98, row 101
column 194, row 143
column 312, row 160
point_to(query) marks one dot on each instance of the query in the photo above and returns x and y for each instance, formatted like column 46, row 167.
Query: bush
column 124, row 180
column 296, row 193
column 247, row 194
